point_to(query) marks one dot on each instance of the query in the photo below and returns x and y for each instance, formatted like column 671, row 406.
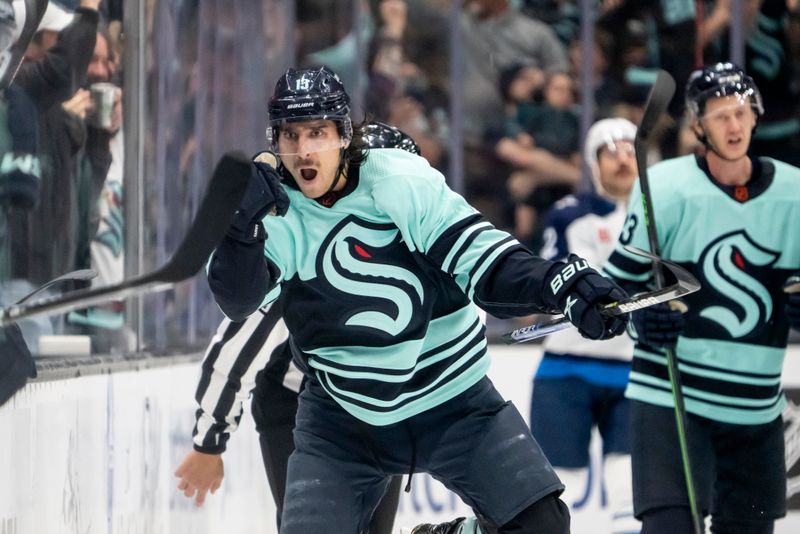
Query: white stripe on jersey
column 230, row 353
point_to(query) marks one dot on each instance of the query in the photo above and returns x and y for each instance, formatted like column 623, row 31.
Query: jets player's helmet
column 380, row 135
column 605, row 133
column 308, row 95
column 719, row 80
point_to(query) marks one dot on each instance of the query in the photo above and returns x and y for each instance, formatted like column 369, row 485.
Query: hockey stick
column 210, row 223
column 657, row 102
column 686, row 284
column 80, row 274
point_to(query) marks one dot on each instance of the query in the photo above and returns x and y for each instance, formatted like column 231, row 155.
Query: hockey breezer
column 686, row 284
column 215, row 214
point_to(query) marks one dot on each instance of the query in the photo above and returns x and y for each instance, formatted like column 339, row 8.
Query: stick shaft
column 659, row 99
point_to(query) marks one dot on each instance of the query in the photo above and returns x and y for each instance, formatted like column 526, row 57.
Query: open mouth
column 308, row 174
column 734, row 141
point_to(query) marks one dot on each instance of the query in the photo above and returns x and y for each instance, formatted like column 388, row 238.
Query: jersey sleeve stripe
column 445, row 243
column 486, row 261
column 462, row 245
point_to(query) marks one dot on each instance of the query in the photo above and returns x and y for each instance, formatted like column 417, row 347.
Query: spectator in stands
column 544, row 154
column 606, row 87
column 100, row 196
column 495, row 36
column 651, row 34
column 43, row 240
column 400, row 93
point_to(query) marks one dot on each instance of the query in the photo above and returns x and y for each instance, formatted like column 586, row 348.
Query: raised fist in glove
column 264, row 196
column 659, row 325
column 793, row 302
column 578, row 290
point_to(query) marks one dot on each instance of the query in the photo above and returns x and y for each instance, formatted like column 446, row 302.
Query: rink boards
column 96, row 455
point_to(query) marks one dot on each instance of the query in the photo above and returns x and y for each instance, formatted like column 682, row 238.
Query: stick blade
column 223, row 195
column 686, row 280
column 657, row 102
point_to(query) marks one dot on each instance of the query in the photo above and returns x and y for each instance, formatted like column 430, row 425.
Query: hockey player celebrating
column 581, row 383
column 731, row 218
column 256, row 354
column 379, row 263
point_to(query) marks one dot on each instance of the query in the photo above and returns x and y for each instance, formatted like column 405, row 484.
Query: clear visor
column 308, row 136
column 735, row 105
column 617, row 147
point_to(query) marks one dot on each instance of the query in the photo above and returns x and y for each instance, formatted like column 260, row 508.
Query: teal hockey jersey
column 741, row 243
column 378, row 287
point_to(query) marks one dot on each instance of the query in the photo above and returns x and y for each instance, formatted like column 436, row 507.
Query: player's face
column 311, row 151
column 618, row 169
column 728, row 123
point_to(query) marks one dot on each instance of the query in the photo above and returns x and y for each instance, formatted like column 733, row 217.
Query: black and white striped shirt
column 236, row 355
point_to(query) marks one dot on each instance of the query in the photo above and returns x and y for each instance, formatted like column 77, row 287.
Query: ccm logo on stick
column 567, row 273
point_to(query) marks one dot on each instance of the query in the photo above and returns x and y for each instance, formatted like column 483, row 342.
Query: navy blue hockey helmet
column 381, row 135
column 309, row 94
column 719, row 80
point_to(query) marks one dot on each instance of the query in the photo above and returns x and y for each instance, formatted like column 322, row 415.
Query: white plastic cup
column 103, row 95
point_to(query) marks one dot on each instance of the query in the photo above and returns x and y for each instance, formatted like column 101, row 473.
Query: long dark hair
column 358, row 150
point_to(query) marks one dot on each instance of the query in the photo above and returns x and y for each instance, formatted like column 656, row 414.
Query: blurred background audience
column 493, row 91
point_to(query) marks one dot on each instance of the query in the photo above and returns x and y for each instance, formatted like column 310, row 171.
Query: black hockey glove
column 577, row 290
column 793, row 303
column 659, row 326
column 264, row 195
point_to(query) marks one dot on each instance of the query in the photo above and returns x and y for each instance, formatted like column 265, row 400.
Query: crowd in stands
column 65, row 213
column 521, row 65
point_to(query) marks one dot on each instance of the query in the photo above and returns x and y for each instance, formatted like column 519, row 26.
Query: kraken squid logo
column 724, row 264
column 346, row 264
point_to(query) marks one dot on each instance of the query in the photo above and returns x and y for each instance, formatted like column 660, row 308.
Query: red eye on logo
column 738, row 259
column 361, row 252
